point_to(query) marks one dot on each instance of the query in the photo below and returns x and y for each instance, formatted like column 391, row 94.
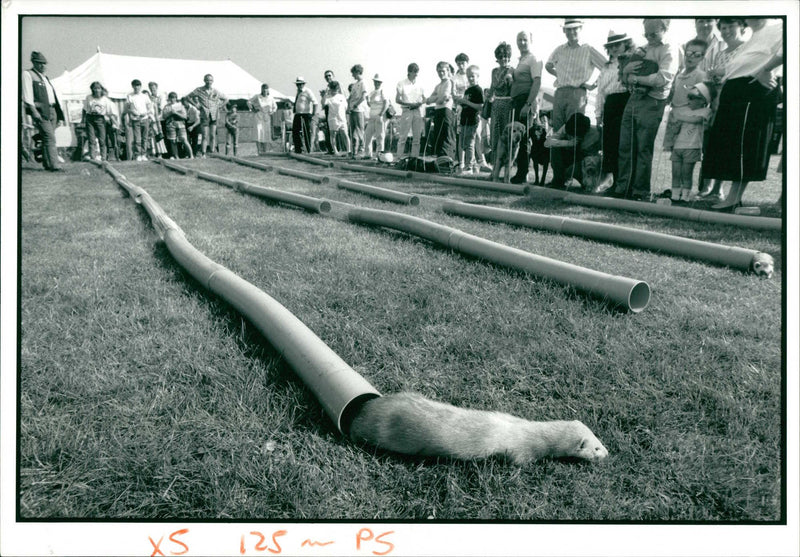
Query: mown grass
column 145, row 397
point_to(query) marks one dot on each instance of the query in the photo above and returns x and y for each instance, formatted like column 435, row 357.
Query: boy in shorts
column 688, row 143
column 232, row 127
column 174, row 121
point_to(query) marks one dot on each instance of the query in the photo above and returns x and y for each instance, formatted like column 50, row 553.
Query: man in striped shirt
column 572, row 64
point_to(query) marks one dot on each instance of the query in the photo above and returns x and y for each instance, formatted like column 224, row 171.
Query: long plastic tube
column 375, row 191
column 731, row 256
column 683, row 213
column 318, row 178
column 520, row 189
column 244, row 162
column 309, row 159
column 375, row 170
column 338, row 387
column 631, row 294
column 306, row 202
column 309, row 203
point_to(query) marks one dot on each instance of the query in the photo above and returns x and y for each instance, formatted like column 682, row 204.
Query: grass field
column 143, row 396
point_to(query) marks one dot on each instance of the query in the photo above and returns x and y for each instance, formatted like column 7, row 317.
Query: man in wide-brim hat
column 41, row 103
column 305, row 106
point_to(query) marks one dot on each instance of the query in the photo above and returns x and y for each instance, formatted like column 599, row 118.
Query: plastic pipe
column 731, row 256
column 375, row 170
column 520, row 189
column 338, row 387
column 309, row 203
column 318, row 178
column 243, row 162
column 375, row 191
column 683, row 213
column 631, row 294
column 309, row 159
column 313, row 204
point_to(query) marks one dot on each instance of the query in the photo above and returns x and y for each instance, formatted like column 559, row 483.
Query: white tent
column 116, row 72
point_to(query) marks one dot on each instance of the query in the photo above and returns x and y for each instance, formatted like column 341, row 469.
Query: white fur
column 412, row 424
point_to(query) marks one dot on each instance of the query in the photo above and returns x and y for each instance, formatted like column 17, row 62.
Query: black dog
column 540, row 155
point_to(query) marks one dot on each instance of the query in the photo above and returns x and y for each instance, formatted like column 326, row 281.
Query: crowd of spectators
column 719, row 92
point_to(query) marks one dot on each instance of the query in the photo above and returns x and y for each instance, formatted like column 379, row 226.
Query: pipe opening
column 351, row 410
column 413, row 200
column 324, row 207
column 639, row 297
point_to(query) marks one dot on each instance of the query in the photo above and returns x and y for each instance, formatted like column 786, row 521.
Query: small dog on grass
column 540, row 155
column 515, row 130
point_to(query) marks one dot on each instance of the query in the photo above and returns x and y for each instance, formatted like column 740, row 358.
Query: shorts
column 206, row 119
column 685, row 155
column 176, row 130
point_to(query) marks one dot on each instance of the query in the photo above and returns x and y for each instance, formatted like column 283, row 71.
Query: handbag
column 486, row 111
column 390, row 112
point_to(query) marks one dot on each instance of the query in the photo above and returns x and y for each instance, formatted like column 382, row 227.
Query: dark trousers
column 444, row 132
column 612, row 121
column 47, row 131
column 522, row 154
column 301, row 133
column 640, row 122
column 96, row 129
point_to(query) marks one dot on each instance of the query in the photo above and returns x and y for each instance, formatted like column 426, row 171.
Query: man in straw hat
column 572, row 64
column 41, row 103
column 305, row 106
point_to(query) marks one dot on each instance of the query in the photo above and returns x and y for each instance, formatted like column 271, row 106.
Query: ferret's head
column 763, row 265
column 584, row 444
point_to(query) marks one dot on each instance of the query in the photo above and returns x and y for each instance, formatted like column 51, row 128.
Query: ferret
column 763, row 265
column 412, row 424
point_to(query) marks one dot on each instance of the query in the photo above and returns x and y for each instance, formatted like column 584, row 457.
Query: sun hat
column 614, row 38
column 299, row 80
column 703, row 89
column 377, row 78
column 38, row 57
column 571, row 23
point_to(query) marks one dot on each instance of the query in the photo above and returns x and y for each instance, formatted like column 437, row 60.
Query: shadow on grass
column 252, row 343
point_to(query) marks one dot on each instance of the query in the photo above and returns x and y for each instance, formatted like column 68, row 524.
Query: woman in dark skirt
column 738, row 142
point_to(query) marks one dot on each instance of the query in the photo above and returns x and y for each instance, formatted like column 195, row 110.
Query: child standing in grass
column 175, row 124
column 232, row 127
column 442, row 99
column 691, row 120
column 471, row 105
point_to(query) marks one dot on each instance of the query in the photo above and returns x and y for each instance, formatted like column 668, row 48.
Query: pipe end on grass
column 638, row 297
column 413, row 200
column 324, row 207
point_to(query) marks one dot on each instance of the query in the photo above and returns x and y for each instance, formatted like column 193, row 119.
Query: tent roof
column 116, row 72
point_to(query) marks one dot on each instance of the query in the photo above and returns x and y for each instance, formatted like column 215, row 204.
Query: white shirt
column 408, row 92
column 27, row 87
column 337, row 112
column 749, row 58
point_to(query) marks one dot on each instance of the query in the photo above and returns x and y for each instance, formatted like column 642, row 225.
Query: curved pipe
column 631, row 294
column 683, row 213
column 308, row 159
column 375, row 191
column 306, row 202
column 318, row 178
column 375, row 170
column 338, row 387
column 730, row 256
column 473, row 183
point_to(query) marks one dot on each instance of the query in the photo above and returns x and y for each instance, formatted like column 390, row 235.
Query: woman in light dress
column 264, row 106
